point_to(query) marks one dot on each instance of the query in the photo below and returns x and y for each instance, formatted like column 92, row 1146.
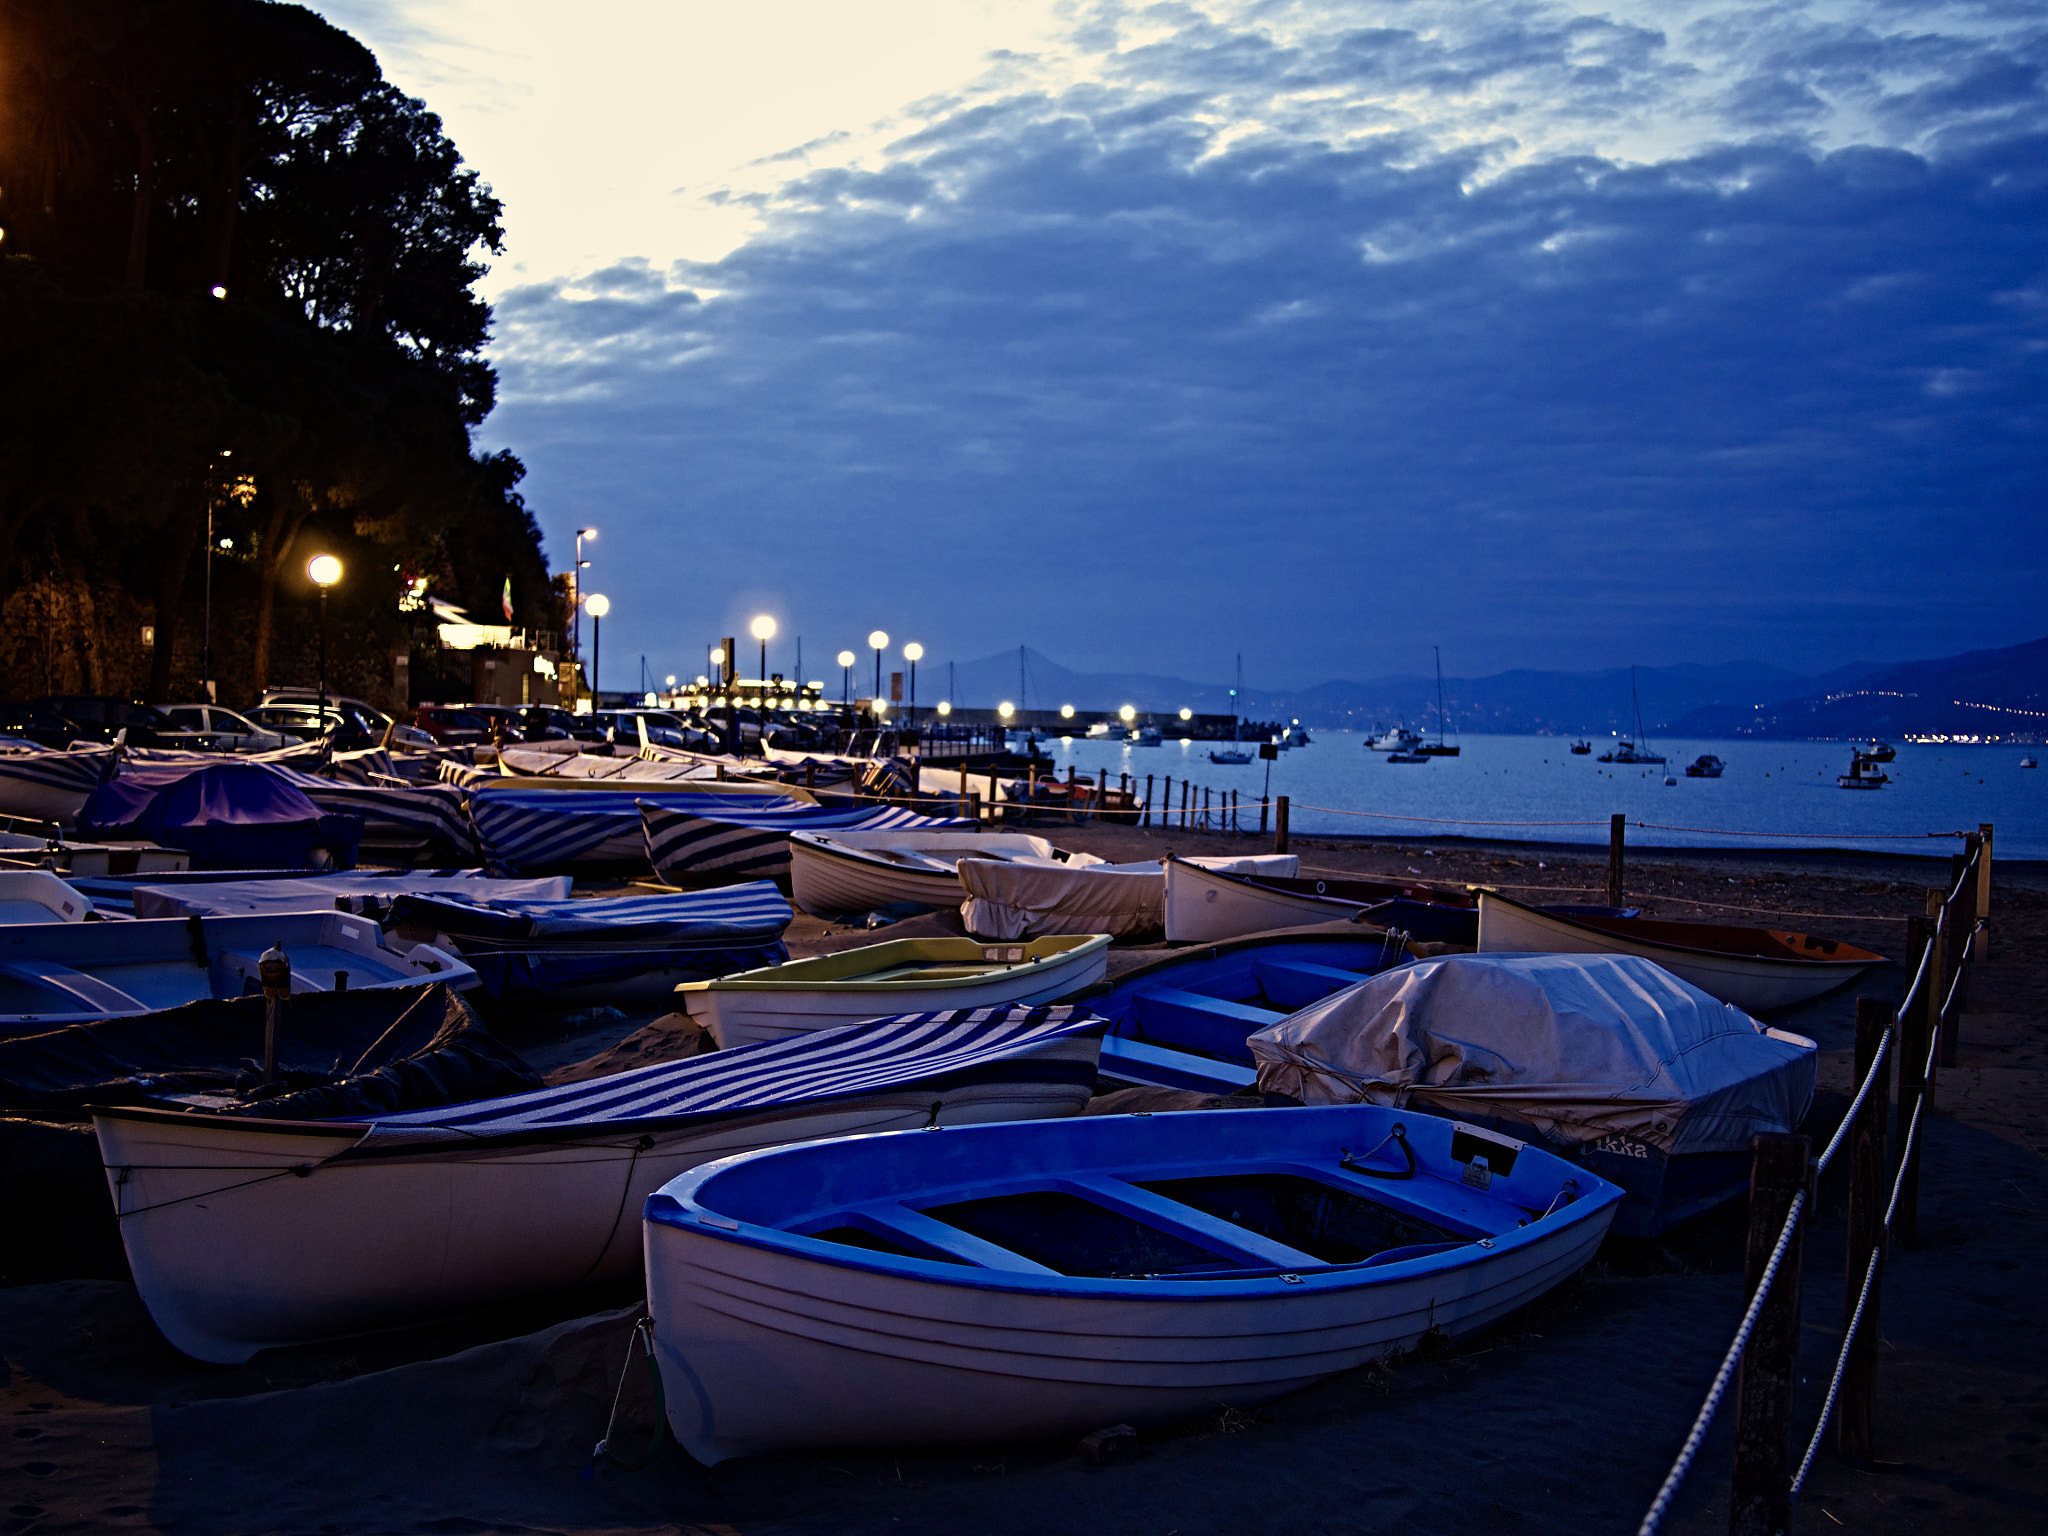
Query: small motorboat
column 1705, row 766
column 392, row 1218
column 1606, row 1059
column 854, row 871
column 1234, row 757
column 54, row 974
column 1863, row 774
column 1626, row 751
column 37, row 896
column 728, row 842
column 1395, row 739
column 1146, row 736
column 1026, row 899
column 1408, row 757
column 1005, row 1283
column 922, row 974
column 1880, row 751
column 58, row 854
column 1759, row 970
column 367, row 894
column 1582, row 749
column 619, row 950
column 2028, row 762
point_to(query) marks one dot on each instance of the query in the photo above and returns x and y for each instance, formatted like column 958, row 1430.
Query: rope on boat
column 643, row 1330
column 1661, row 1505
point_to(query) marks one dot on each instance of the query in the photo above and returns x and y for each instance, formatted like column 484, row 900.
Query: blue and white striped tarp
column 520, row 829
column 958, row 1048
column 754, row 839
column 409, row 823
column 41, row 768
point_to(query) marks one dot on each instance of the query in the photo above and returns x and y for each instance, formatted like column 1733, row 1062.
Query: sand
column 1562, row 1420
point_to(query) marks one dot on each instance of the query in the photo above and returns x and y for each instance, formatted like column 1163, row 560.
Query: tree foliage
column 231, row 252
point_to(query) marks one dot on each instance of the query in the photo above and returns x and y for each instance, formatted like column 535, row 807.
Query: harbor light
column 1187, row 714
column 671, row 680
column 945, row 707
column 846, row 660
column 325, row 571
column 911, row 653
column 879, row 640
column 1006, row 709
column 1127, row 714
column 598, row 604
column 1066, row 711
column 763, row 630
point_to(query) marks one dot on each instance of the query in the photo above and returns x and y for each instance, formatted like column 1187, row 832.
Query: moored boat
column 1863, row 774
column 1230, row 757
column 1394, row 739
column 1207, row 902
column 1609, row 1060
column 1027, row 899
column 1705, row 766
column 388, row 1219
column 53, row 974
column 1582, row 749
column 901, row 974
column 37, row 896
column 1028, row 1282
column 730, row 841
column 1759, row 970
column 858, row 870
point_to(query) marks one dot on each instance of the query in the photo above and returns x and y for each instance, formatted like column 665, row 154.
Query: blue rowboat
column 623, row 949
column 54, row 974
column 1037, row 1281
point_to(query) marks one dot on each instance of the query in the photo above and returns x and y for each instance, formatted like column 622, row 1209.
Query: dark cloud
column 1076, row 365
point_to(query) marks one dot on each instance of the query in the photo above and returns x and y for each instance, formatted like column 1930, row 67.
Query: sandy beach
column 1564, row 1419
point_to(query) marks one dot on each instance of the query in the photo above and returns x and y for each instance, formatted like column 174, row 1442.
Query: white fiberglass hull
column 1755, row 984
column 1203, row 909
column 232, row 1254
column 1020, row 901
column 837, row 872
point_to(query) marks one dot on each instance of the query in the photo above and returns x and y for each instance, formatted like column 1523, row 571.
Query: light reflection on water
column 1781, row 787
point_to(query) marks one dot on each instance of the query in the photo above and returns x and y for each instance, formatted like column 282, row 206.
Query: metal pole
column 323, row 661
column 1617, row 832
column 878, row 680
column 206, row 621
column 596, row 642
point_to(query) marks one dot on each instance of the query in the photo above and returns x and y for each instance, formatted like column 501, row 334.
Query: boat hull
column 1203, row 906
column 848, row 872
column 764, row 1348
column 738, row 1010
column 1757, row 984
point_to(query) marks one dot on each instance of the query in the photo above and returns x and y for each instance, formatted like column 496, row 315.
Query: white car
column 222, row 729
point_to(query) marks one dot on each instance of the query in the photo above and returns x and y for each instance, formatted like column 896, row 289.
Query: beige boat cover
column 1578, row 1047
column 1026, row 900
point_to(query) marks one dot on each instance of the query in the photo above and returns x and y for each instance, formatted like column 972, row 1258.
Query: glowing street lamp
column 599, row 605
column 1006, row 709
column 763, row 630
column 879, row 639
column 945, row 707
column 1127, row 714
column 1066, row 711
column 911, row 653
column 716, row 656
column 325, row 571
column 1187, row 714
column 846, row 661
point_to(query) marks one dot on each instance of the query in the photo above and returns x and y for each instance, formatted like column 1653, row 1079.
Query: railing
column 1762, row 1358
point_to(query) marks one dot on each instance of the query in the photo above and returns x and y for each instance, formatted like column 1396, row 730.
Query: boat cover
column 957, row 1048
column 226, row 815
column 520, row 829
column 368, row 895
column 1025, row 900
column 1580, row 1047
column 751, row 836
column 34, row 767
column 524, row 945
column 365, row 1052
column 420, row 820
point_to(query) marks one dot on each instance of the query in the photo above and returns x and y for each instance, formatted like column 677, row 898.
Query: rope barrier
column 1661, row 1505
column 1854, row 837
column 1827, row 1408
column 1820, row 1164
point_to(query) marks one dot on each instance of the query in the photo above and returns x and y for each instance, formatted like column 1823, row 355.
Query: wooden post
column 1166, row 802
column 810, row 774
column 1761, row 1497
column 963, row 781
column 1280, row 824
column 1187, row 796
column 1233, row 812
column 1262, row 818
column 1073, row 799
column 1912, row 1085
column 1856, row 1415
column 1147, row 821
column 974, row 809
column 1980, row 944
column 1617, row 831
column 1205, row 808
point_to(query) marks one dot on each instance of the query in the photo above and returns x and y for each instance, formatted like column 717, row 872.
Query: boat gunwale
column 1062, row 948
column 1859, row 958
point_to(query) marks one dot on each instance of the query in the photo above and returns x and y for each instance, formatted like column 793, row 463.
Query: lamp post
column 576, row 594
column 717, row 655
column 846, row 660
column 325, row 571
column 763, row 630
column 206, row 621
column 880, row 641
column 599, row 605
column 911, row 653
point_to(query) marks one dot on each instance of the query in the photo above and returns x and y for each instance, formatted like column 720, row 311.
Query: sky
column 1558, row 336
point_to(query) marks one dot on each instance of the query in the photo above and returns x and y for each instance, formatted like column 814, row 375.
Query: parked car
column 95, row 718
column 663, row 729
column 32, row 722
column 501, row 721
column 544, row 722
column 451, row 726
column 373, row 718
column 224, row 729
column 351, row 730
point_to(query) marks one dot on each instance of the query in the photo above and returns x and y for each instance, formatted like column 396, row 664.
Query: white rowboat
column 854, row 871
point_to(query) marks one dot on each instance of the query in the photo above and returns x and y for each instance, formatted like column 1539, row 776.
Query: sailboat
column 1628, row 751
column 1438, row 748
column 1234, row 755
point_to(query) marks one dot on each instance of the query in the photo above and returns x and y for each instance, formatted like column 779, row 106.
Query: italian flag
column 508, row 599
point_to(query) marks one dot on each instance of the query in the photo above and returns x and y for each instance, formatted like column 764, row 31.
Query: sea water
column 1768, row 789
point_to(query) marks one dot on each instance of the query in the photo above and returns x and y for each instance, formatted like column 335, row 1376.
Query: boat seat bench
column 1205, row 1023
column 1297, row 983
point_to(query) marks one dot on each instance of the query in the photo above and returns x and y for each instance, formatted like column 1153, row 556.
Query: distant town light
column 1127, row 714
column 945, row 707
column 670, row 680
column 1187, row 714
column 1066, row 711
column 1006, row 709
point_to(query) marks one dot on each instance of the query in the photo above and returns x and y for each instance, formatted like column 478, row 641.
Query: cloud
column 1567, row 339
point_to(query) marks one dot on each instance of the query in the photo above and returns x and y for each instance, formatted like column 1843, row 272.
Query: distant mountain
column 2002, row 692
column 1997, row 695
